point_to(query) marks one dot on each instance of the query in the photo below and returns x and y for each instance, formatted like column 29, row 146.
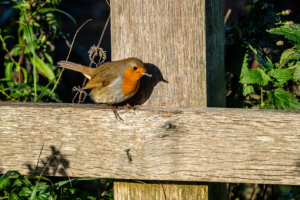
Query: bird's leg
column 116, row 113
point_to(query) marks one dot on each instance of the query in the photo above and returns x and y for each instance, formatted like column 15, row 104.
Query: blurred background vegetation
column 88, row 36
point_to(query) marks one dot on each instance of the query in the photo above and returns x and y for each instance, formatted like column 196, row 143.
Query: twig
column 37, row 164
column 98, row 45
column 107, row 3
column 3, row 92
column 78, row 89
column 227, row 15
column 292, row 67
column 109, row 187
column 265, row 190
column 64, row 170
column 228, row 192
column 254, row 192
column 68, row 56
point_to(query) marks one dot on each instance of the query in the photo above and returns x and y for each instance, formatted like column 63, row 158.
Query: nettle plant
column 271, row 84
column 37, row 31
column 276, row 83
column 15, row 186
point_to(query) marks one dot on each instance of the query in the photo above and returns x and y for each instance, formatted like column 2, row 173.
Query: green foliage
column 38, row 28
column 13, row 185
column 291, row 32
column 256, row 76
column 280, row 76
column 268, row 85
column 283, row 99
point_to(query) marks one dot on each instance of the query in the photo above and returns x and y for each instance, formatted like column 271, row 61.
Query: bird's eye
column 134, row 68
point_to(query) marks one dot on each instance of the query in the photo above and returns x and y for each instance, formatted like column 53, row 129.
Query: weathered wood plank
column 161, row 190
column 181, row 42
column 207, row 144
column 131, row 190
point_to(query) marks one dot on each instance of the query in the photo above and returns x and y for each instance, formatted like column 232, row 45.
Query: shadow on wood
column 147, row 85
column 57, row 164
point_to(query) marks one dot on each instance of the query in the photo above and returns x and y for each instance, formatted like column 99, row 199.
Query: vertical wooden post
column 182, row 43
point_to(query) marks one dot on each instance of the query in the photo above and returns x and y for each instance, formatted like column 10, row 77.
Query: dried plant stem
column 265, row 190
column 64, row 170
column 4, row 45
column 37, row 164
column 228, row 192
column 98, row 45
column 253, row 195
column 3, row 92
column 227, row 15
column 68, row 55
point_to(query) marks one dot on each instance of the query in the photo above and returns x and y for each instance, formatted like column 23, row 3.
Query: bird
column 112, row 82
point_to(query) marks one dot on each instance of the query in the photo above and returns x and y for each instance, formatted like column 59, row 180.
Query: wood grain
column 131, row 190
column 207, row 144
column 182, row 42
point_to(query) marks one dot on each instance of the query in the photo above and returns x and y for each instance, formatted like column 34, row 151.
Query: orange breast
column 130, row 86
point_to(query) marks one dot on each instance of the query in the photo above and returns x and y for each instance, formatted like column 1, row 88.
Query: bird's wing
column 104, row 75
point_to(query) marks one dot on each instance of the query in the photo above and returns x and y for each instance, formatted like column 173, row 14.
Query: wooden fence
column 178, row 146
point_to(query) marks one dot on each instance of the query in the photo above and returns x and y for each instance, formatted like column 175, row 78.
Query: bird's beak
column 144, row 73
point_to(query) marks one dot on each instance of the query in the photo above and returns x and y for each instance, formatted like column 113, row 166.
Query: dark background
column 89, row 35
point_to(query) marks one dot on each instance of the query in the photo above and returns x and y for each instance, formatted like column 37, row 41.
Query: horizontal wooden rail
column 178, row 144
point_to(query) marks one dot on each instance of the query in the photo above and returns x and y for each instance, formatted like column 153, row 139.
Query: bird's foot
column 129, row 106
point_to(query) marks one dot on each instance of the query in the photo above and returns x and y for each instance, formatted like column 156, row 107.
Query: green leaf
column 8, row 70
column 46, row 87
column 263, row 62
column 29, row 38
column 6, row 37
column 28, row 31
column 261, row 56
column 49, row 58
column 17, row 183
column 286, row 54
column 24, row 74
column 245, row 68
column 36, row 24
column 296, row 75
column 13, row 196
column 284, row 100
column 16, row 51
column 248, row 89
column 45, row 69
column 72, row 190
column 281, row 75
column 25, row 192
column 285, row 61
column 255, row 76
column 44, row 10
column 5, row 182
column 291, row 32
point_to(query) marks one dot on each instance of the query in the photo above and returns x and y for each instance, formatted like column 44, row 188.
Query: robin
column 112, row 82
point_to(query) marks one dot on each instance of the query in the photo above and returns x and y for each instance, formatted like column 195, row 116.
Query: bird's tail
column 88, row 72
